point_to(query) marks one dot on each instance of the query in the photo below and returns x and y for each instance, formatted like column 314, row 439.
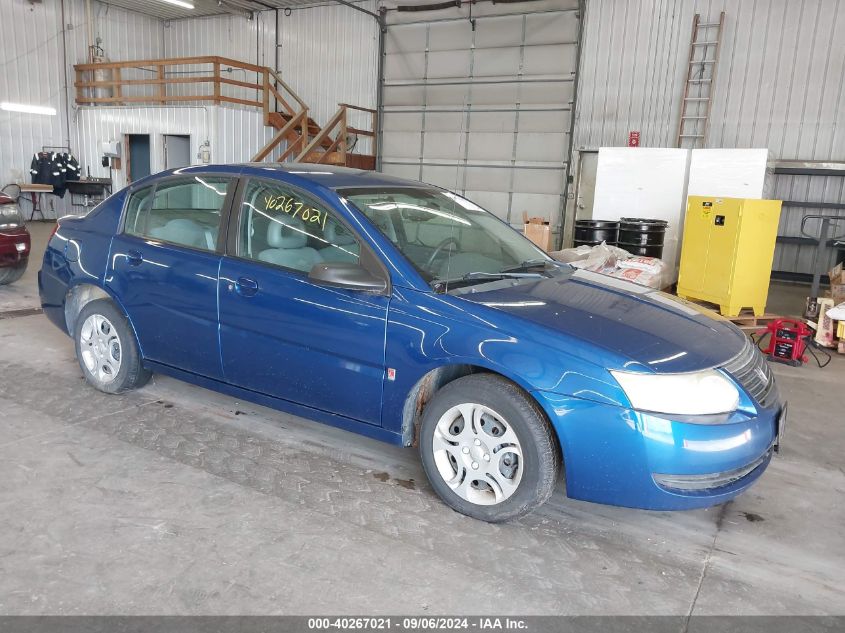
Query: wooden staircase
column 304, row 139
column 297, row 138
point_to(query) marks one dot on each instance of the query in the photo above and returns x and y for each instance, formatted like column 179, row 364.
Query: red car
column 14, row 241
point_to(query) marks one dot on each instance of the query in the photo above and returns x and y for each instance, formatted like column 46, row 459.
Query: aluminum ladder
column 705, row 44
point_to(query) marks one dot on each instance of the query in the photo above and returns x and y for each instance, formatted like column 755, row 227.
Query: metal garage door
column 481, row 103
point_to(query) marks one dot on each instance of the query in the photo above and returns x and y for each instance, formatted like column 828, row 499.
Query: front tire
column 487, row 448
column 12, row 274
column 106, row 349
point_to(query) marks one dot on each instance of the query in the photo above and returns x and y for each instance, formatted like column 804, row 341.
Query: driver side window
column 280, row 227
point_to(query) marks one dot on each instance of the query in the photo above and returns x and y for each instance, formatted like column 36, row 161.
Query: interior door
column 138, row 154
column 282, row 334
column 164, row 270
column 587, row 167
column 177, row 151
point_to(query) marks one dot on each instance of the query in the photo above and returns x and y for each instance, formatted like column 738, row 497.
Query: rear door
column 164, row 269
column 282, row 334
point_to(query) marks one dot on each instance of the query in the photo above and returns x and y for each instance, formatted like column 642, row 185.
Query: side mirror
column 349, row 276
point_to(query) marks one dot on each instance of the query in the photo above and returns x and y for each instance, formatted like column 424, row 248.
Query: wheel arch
column 427, row 387
column 81, row 294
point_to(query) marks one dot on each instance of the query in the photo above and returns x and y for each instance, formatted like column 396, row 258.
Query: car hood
column 14, row 234
column 646, row 329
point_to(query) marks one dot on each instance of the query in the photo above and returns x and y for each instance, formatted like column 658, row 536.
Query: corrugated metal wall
column 122, row 34
column 800, row 258
column 31, row 73
column 328, row 56
column 779, row 82
column 779, row 85
column 98, row 124
column 225, row 35
column 32, row 59
column 229, row 36
column 235, row 134
column 238, row 134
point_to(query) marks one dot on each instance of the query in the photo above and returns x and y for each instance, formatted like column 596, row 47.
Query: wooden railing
column 372, row 132
column 337, row 131
column 165, row 81
column 89, row 86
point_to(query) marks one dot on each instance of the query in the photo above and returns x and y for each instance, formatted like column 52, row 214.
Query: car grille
column 751, row 370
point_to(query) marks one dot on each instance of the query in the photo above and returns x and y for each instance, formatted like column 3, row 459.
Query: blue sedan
column 409, row 314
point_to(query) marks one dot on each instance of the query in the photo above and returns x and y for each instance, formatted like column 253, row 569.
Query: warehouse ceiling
column 168, row 11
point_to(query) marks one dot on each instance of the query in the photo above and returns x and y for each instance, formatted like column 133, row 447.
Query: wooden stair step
column 361, row 161
column 332, row 158
column 279, row 119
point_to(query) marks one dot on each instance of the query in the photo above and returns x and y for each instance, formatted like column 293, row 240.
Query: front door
column 282, row 334
column 164, row 268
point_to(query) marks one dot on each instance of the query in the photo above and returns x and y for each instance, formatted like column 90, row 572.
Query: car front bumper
column 629, row 458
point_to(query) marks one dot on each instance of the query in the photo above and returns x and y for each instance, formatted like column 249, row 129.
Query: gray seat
column 186, row 232
column 342, row 244
column 287, row 237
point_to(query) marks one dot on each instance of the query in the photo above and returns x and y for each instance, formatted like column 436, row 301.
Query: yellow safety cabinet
column 726, row 255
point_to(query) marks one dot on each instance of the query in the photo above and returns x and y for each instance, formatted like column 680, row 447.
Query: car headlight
column 706, row 392
column 10, row 217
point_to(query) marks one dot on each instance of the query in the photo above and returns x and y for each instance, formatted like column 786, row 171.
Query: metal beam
column 352, row 5
column 807, row 167
column 379, row 135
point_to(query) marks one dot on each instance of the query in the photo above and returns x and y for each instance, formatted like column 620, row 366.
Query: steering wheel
column 438, row 249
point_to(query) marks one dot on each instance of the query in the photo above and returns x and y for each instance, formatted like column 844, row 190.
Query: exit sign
column 634, row 138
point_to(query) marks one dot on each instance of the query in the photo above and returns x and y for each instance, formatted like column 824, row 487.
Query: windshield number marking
column 295, row 208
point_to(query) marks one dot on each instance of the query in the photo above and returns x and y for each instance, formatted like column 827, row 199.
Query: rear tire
column 12, row 274
column 106, row 349
column 487, row 448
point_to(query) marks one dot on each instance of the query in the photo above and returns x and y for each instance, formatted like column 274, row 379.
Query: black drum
column 592, row 232
column 642, row 236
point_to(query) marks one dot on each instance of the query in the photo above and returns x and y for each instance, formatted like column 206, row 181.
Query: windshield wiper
column 527, row 264
column 504, row 274
column 440, row 285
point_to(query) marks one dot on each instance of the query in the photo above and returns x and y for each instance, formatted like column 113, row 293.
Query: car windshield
column 446, row 237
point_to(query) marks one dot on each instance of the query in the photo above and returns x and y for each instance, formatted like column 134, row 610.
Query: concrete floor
column 177, row 500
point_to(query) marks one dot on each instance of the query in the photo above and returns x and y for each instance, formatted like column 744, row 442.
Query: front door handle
column 246, row 287
column 134, row 258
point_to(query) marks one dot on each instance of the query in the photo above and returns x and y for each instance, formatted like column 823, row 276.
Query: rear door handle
column 246, row 287
column 134, row 258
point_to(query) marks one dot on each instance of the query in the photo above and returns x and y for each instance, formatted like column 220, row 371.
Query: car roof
column 334, row 176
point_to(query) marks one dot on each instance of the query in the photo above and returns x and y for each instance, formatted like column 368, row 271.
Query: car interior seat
column 288, row 239
column 342, row 244
column 186, row 232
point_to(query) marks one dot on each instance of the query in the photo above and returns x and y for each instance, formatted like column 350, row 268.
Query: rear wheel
column 487, row 448
column 12, row 274
column 106, row 349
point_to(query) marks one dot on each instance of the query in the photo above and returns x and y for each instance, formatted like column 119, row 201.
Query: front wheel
column 12, row 274
column 106, row 349
column 487, row 448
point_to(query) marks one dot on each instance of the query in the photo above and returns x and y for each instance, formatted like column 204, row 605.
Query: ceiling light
column 179, row 3
column 29, row 109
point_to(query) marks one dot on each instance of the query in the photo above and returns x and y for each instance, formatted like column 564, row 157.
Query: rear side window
column 186, row 211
